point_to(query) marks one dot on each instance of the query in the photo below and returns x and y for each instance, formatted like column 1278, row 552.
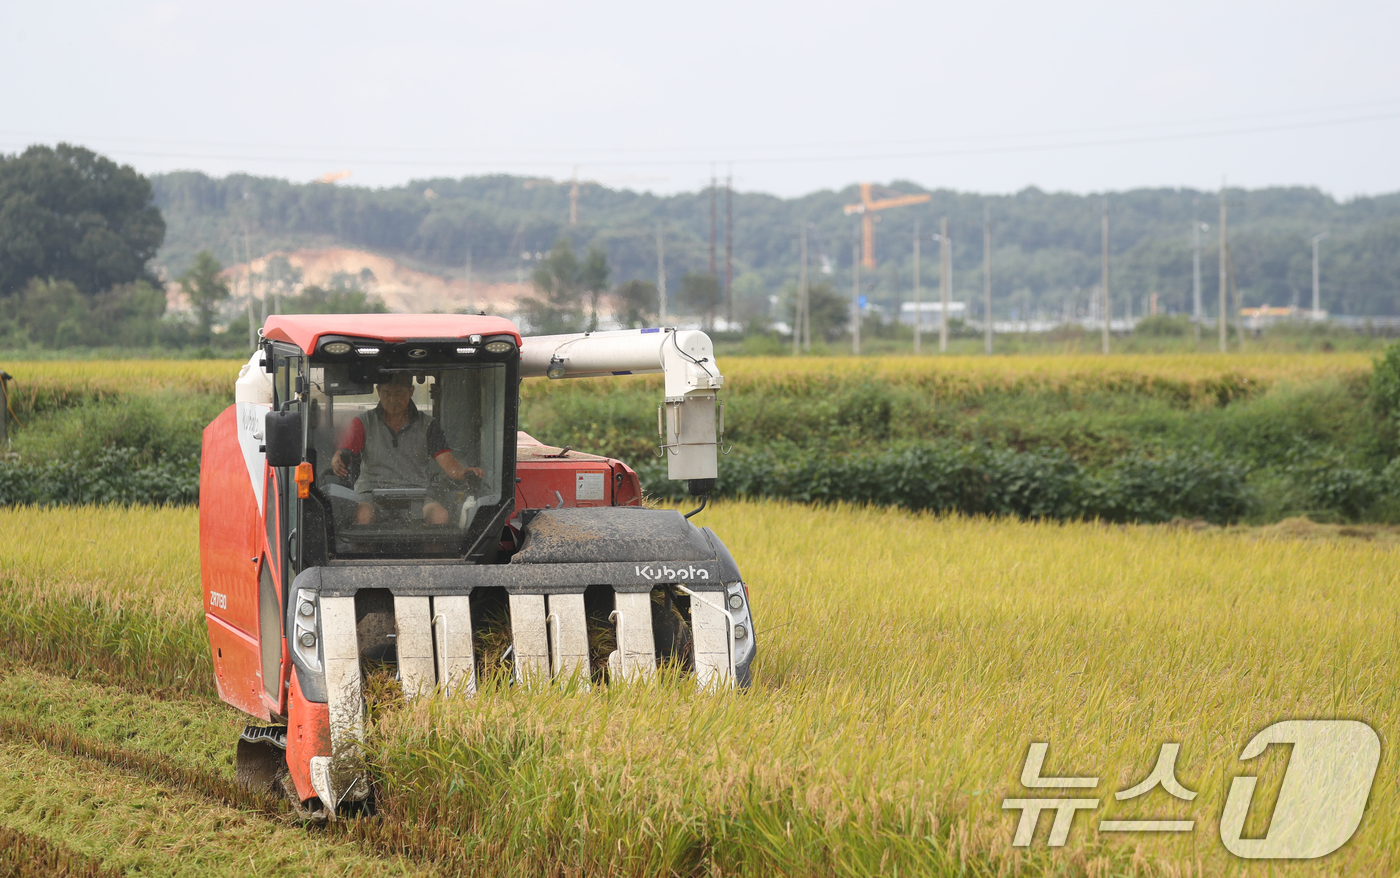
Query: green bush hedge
column 940, row 476
column 112, row 475
column 943, row 476
column 982, row 480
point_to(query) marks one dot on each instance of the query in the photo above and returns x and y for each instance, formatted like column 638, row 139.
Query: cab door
column 282, row 514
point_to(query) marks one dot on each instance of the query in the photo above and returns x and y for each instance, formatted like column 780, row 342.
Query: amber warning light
column 303, row 477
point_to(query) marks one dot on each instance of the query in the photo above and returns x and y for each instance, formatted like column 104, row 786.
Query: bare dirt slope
column 402, row 288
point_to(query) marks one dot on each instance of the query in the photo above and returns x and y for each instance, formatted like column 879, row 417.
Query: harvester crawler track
column 261, row 758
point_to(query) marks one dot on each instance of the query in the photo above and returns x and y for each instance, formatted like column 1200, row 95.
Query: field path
column 135, row 784
column 127, row 822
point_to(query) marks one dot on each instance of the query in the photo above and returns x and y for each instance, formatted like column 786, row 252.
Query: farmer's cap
column 398, row 379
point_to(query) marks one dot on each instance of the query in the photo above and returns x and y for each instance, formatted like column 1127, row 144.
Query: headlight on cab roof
column 336, row 348
column 499, row 347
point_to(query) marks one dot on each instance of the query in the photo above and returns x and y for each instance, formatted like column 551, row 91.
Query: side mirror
column 282, row 438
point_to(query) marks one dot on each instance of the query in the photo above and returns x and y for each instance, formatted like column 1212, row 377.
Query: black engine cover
column 611, row 533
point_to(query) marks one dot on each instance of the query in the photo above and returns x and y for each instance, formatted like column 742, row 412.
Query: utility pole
column 252, row 330
column 5, row 378
column 1128, row 310
column 894, row 301
column 573, row 199
column 712, row 221
column 1223, row 278
column 1196, row 276
column 1107, row 301
column 729, row 250
column 1239, row 305
column 248, row 257
column 987, row 271
column 918, row 300
column 806, row 294
column 1317, row 298
column 802, row 322
column 855, row 295
column 470, row 302
column 661, row 275
column 945, row 252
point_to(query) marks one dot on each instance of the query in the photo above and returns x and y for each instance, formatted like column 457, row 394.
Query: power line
column 708, row 149
column 343, row 158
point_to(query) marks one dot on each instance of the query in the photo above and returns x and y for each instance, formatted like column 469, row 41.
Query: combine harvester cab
column 369, row 508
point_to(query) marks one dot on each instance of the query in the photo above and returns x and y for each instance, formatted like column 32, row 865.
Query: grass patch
column 159, row 425
column 135, row 826
column 145, row 554
column 191, row 733
column 91, row 638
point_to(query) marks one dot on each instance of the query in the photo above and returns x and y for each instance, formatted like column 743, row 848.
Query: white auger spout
column 690, row 420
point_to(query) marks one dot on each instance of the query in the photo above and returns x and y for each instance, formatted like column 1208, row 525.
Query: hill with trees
column 1046, row 246
column 81, row 236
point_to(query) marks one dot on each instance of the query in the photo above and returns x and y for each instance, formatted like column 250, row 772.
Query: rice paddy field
column 907, row 661
column 44, row 384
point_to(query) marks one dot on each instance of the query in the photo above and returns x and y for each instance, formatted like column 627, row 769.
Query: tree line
column 1046, row 246
column 78, row 233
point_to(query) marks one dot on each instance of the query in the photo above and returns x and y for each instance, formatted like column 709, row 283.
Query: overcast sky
column 986, row 96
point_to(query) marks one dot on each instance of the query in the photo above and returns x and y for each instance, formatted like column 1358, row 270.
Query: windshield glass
column 407, row 463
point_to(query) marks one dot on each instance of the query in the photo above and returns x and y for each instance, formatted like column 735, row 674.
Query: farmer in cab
column 397, row 445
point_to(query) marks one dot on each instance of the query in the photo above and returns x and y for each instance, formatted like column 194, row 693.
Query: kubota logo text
column 662, row 573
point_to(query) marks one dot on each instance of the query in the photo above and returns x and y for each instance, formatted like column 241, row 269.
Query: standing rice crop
column 906, row 663
column 1189, row 378
column 44, row 385
column 107, row 592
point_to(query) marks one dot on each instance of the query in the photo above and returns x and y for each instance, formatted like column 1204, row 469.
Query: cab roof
column 305, row 330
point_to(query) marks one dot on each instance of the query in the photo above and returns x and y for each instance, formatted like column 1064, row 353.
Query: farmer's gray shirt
column 398, row 460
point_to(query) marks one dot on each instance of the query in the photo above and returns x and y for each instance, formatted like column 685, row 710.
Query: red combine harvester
column 367, row 506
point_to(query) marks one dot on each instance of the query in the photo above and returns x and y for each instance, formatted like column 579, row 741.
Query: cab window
column 407, row 463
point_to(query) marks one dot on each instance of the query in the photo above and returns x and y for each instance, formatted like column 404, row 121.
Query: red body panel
column 308, row 734
column 304, row 330
column 546, row 478
column 542, row 484
column 236, row 667
column 229, row 544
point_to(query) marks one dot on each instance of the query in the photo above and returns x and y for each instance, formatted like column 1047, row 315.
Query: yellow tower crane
column 867, row 207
